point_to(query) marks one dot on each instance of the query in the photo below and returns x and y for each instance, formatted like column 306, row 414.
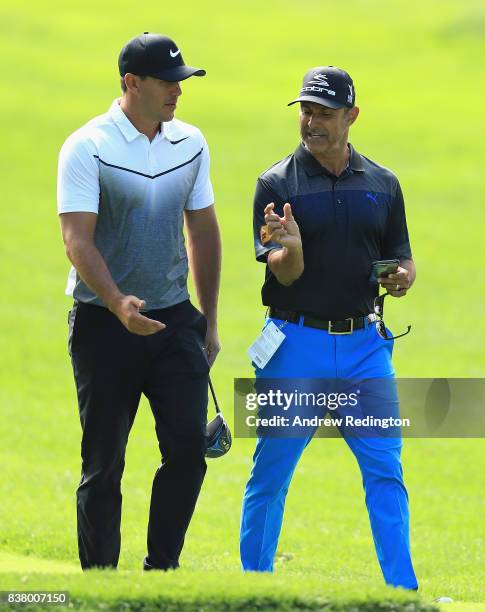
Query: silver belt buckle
column 345, row 333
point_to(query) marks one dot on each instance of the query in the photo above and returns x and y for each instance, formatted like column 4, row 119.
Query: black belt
column 347, row 326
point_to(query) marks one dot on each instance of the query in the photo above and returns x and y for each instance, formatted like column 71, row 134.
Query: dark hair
column 123, row 84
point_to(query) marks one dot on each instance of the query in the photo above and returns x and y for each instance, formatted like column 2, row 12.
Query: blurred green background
column 419, row 75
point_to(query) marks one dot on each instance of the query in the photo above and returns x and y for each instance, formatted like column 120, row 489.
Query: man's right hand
column 126, row 308
column 282, row 230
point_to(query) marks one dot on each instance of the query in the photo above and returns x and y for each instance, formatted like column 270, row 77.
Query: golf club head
column 218, row 437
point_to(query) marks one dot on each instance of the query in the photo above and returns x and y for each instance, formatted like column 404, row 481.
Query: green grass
column 419, row 79
column 220, row 591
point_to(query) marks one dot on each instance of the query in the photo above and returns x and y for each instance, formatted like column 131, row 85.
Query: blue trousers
column 311, row 353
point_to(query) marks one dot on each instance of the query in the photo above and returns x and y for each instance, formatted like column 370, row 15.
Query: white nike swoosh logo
column 172, row 54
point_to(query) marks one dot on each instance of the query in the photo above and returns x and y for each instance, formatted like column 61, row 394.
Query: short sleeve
column 262, row 197
column 202, row 194
column 77, row 178
column 396, row 240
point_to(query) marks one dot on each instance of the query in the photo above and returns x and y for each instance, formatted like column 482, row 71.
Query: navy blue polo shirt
column 346, row 223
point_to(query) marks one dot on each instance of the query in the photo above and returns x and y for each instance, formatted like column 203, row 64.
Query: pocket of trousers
column 71, row 319
column 199, row 325
column 200, row 321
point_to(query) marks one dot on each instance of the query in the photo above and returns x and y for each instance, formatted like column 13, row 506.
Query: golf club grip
column 214, row 396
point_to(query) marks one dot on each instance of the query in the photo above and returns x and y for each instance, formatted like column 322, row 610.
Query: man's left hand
column 212, row 344
column 397, row 284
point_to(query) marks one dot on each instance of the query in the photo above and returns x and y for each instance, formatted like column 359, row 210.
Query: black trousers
column 112, row 368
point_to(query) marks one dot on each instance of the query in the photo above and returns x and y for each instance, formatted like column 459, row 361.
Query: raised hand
column 282, row 230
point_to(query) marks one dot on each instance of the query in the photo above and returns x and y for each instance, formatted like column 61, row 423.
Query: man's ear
column 131, row 82
column 352, row 114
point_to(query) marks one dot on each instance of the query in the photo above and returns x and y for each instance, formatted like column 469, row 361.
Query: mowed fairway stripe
column 35, row 565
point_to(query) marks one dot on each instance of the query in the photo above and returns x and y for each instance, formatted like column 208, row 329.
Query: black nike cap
column 156, row 56
column 328, row 86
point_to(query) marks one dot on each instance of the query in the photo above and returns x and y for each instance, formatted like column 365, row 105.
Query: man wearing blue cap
column 128, row 181
column 322, row 216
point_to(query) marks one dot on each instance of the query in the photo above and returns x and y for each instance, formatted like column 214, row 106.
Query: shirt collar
column 356, row 162
column 313, row 167
column 127, row 128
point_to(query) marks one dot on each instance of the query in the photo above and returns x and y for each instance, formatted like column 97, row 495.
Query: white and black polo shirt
column 139, row 190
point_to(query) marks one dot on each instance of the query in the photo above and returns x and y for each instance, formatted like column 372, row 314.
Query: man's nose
column 177, row 89
column 313, row 121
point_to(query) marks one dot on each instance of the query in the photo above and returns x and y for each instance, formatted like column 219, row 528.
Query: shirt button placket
column 339, row 204
column 151, row 166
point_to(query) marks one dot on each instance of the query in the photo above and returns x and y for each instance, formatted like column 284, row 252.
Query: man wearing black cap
column 322, row 216
column 127, row 182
